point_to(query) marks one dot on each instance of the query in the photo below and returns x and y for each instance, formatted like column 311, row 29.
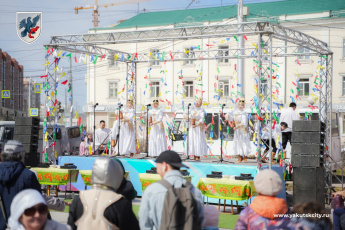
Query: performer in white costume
column 241, row 135
column 197, row 141
column 157, row 141
column 127, row 135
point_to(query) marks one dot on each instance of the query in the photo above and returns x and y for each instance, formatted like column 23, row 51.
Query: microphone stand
column 94, row 127
column 221, row 140
column 118, row 134
column 188, row 132
column 147, row 129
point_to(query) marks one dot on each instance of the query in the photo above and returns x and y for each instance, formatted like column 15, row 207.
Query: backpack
column 180, row 210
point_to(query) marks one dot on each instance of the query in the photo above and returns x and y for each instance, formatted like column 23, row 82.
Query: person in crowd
column 14, row 177
column 168, row 164
column 262, row 212
column 288, row 116
column 82, row 147
column 197, row 140
column 309, row 222
column 339, row 213
column 279, row 134
column 266, row 141
column 241, row 135
column 29, row 211
column 126, row 188
column 53, row 203
column 211, row 218
column 102, row 207
column 88, row 144
column 102, row 137
column 127, row 135
column 157, row 140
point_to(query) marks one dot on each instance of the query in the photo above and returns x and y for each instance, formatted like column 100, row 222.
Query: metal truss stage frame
column 271, row 40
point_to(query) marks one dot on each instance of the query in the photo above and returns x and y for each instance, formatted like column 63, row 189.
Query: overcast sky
column 59, row 18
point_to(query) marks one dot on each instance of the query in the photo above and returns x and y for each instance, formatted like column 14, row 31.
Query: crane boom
column 96, row 6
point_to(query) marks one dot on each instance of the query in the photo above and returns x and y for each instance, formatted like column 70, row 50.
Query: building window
column 112, row 62
column 223, row 52
column 154, row 58
column 303, row 50
column 189, row 88
column 223, row 88
column 188, row 53
column 112, row 89
column 343, row 86
column 303, row 87
column 154, row 89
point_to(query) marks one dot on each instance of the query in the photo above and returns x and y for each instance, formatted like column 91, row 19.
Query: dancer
column 127, row 135
column 157, row 143
column 197, row 140
column 241, row 134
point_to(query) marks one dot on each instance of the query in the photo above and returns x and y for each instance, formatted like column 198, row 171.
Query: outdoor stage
column 196, row 169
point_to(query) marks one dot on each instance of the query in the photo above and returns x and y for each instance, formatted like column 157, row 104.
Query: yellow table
column 56, row 176
column 227, row 189
column 149, row 178
column 86, row 175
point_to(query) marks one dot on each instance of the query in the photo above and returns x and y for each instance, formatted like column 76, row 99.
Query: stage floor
column 197, row 169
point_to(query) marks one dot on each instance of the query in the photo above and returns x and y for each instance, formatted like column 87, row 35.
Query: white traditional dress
column 127, row 135
column 241, row 135
column 197, row 140
column 157, row 141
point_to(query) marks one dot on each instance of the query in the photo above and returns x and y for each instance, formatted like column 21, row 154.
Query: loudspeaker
column 308, row 126
column 27, row 121
column 308, row 185
column 26, row 131
column 307, row 137
column 306, row 161
column 32, row 159
column 306, row 149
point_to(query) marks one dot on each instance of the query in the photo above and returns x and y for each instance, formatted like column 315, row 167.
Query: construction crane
column 96, row 6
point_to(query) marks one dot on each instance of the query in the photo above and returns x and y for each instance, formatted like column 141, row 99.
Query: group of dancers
column 122, row 132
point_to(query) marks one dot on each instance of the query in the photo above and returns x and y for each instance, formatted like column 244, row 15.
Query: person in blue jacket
column 14, row 177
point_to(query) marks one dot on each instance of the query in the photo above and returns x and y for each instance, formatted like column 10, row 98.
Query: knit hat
column 267, row 182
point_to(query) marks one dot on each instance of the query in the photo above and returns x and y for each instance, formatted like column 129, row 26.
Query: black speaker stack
column 307, row 160
column 26, row 131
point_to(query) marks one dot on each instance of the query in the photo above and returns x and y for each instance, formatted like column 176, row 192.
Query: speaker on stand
column 307, row 160
column 26, row 131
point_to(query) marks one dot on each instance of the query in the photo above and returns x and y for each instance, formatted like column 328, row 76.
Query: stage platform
column 196, row 169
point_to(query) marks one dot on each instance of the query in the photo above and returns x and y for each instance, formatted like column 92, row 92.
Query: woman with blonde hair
column 157, row 141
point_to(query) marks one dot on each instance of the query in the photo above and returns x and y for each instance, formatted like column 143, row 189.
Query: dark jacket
column 14, row 177
column 127, row 190
column 119, row 213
